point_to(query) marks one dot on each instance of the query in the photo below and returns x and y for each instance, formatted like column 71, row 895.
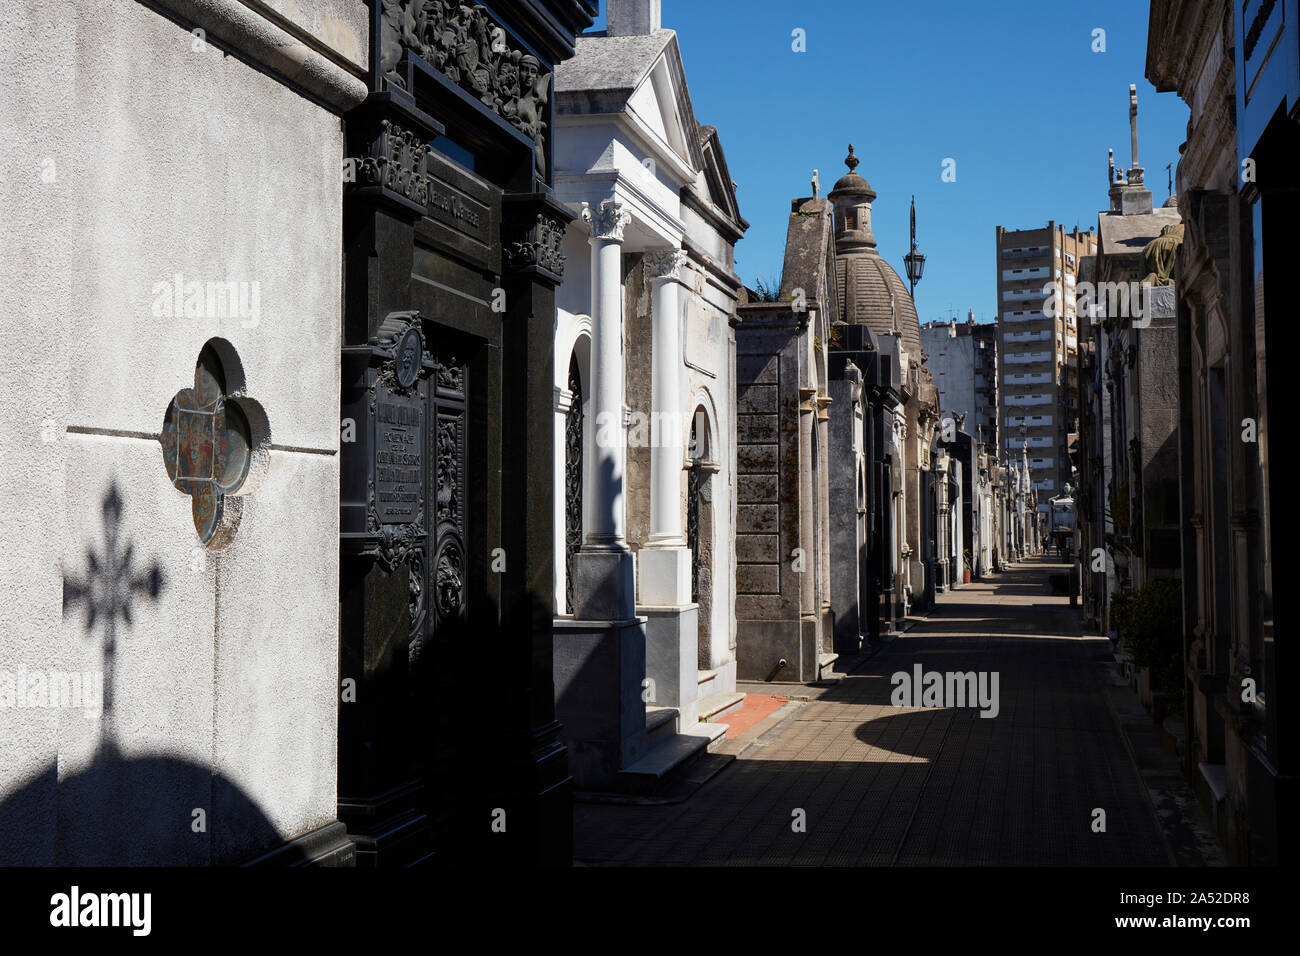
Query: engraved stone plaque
column 399, row 456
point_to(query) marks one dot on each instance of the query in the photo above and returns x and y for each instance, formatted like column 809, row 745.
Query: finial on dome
column 850, row 160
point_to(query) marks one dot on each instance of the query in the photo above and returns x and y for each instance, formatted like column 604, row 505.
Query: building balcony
column 1038, row 335
column 1033, row 441
column 1027, row 272
column 1025, row 252
column 1026, row 358
column 1023, row 295
column 1029, row 378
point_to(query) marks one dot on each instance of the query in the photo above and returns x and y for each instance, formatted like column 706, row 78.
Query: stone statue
column 462, row 42
column 1161, row 255
column 507, row 99
column 535, row 87
column 391, row 29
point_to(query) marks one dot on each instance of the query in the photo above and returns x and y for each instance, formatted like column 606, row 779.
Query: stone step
column 718, row 705
column 705, row 683
column 670, row 758
column 660, row 723
column 826, row 667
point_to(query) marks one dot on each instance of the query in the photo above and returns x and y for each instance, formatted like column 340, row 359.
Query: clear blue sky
column 1011, row 90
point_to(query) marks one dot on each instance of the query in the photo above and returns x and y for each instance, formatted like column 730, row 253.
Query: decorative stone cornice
column 396, row 162
column 300, row 61
column 666, row 263
column 607, row 221
column 539, row 246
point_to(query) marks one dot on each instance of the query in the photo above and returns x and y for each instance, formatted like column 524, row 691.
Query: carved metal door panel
column 572, row 480
column 444, row 626
column 693, row 525
column 448, row 514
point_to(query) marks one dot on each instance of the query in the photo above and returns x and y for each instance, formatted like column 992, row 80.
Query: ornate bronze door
column 693, row 514
column 448, row 534
column 572, row 480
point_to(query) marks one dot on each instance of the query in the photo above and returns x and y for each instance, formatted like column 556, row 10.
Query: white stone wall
column 143, row 155
column 708, row 379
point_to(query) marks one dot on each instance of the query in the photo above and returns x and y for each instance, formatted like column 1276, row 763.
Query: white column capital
column 666, row 264
column 563, row 400
column 607, row 221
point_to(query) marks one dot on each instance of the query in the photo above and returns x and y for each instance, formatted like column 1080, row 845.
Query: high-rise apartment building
column 1038, row 347
column 985, row 427
column 963, row 363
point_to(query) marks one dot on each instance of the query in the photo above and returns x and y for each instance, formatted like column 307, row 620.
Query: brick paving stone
column 921, row 786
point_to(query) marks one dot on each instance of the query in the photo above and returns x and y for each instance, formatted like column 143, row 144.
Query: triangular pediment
column 717, row 177
column 662, row 102
column 641, row 77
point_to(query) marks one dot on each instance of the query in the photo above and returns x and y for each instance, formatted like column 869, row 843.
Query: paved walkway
column 880, row 785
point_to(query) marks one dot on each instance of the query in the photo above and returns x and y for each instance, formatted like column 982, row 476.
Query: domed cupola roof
column 852, row 185
column 870, row 291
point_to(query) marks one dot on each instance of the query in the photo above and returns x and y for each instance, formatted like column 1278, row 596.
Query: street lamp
column 914, row 261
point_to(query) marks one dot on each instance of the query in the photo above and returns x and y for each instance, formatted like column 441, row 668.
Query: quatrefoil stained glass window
column 206, row 444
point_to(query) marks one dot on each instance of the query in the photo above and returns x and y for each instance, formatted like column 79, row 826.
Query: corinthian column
column 604, row 570
column 665, row 577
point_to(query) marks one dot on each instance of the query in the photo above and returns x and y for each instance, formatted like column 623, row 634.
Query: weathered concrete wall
column 638, row 335
column 342, row 26
column 769, row 604
column 1158, row 398
column 843, row 510
column 146, row 156
column 951, row 361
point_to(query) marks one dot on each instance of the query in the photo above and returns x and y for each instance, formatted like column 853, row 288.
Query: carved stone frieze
column 540, row 246
column 396, row 162
column 463, row 43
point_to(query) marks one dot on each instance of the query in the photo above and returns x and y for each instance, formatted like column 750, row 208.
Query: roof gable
column 641, row 76
column 717, row 178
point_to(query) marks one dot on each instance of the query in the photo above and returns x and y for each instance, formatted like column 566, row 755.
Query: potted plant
column 966, row 562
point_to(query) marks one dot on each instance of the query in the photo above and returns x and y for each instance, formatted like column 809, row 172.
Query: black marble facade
column 450, row 750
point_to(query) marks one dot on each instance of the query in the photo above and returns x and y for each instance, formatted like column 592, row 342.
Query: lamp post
column 1026, row 533
column 914, row 261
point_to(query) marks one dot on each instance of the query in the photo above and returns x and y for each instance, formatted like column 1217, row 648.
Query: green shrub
column 1150, row 623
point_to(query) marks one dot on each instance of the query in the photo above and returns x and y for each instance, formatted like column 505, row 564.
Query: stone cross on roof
column 1135, row 174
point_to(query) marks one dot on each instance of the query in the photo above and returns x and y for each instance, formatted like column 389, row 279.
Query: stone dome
column 870, row 292
column 864, row 283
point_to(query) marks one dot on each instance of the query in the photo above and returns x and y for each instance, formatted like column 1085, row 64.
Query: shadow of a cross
column 112, row 585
